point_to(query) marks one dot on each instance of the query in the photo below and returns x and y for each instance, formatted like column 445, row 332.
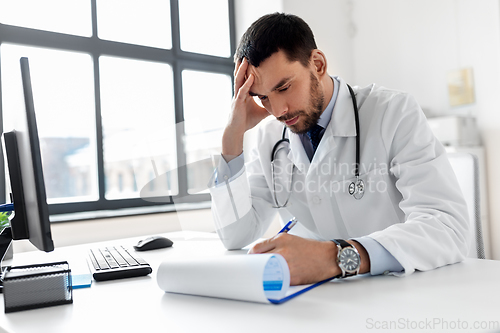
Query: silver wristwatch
column 348, row 258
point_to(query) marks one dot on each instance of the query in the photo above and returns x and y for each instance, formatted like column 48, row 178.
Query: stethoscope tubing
column 356, row 122
column 358, row 186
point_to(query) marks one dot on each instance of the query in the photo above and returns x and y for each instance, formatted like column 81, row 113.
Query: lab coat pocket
column 374, row 211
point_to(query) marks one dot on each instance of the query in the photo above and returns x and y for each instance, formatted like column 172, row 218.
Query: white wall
column 411, row 45
column 246, row 12
column 332, row 24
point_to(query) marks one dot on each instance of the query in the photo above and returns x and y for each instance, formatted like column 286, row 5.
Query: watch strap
column 342, row 243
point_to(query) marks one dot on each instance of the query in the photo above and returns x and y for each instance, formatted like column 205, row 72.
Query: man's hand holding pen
column 309, row 260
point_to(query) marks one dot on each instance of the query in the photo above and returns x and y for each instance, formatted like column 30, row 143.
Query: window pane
column 204, row 27
column 204, row 122
column 145, row 22
column 70, row 17
column 63, row 92
column 138, row 127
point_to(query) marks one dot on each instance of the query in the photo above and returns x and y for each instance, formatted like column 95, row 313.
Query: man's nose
column 279, row 106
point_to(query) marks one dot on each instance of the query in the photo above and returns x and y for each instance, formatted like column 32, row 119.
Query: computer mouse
column 153, row 243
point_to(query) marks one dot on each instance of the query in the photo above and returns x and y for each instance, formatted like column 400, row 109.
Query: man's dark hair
column 274, row 32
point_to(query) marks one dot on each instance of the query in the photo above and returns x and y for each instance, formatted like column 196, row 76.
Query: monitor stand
column 5, row 250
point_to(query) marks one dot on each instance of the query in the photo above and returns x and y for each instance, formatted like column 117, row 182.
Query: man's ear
column 318, row 60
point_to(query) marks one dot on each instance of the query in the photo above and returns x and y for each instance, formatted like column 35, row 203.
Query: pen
column 288, row 226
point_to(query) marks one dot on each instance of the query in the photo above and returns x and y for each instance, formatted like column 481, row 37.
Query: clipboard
column 262, row 278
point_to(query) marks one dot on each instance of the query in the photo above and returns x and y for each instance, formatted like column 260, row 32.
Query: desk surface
column 461, row 297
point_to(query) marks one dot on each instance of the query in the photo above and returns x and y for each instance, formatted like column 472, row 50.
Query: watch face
column 349, row 259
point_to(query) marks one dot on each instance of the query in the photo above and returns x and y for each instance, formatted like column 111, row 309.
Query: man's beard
column 309, row 118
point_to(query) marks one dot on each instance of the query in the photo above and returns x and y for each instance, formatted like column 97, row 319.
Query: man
column 400, row 208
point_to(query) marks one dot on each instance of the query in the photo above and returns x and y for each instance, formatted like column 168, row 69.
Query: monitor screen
column 22, row 148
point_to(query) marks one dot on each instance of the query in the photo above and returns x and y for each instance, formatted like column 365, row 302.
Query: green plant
column 4, row 219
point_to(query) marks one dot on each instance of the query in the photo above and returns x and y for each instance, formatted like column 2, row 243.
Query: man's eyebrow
column 276, row 87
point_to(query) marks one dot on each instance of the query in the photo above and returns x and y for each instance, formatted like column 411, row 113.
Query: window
column 138, row 123
column 122, row 119
column 63, row 91
column 145, row 22
column 204, row 122
column 210, row 18
column 68, row 17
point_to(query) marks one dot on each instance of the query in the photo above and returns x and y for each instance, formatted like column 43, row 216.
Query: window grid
column 175, row 57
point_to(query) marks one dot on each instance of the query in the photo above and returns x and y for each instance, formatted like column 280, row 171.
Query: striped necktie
column 315, row 136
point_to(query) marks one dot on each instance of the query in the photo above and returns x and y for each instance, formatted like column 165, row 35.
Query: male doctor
column 404, row 211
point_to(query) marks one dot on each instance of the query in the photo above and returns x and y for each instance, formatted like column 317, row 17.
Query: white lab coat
column 412, row 206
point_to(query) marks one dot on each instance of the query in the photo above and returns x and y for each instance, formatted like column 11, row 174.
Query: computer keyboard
column 116, row 262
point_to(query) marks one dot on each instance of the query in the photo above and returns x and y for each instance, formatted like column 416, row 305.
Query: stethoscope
column 356, row 188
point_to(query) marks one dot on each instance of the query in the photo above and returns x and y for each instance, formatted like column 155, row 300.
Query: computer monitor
column 22, row 151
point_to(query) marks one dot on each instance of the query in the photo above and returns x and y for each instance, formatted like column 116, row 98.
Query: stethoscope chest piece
column 357, row 189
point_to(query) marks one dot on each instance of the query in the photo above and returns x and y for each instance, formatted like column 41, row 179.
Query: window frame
column 96, row 47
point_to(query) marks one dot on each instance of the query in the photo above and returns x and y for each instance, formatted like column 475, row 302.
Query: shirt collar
column 342, row 121
column 325, row 117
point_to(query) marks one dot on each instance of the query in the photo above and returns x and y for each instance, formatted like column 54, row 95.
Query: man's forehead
column 268, row 78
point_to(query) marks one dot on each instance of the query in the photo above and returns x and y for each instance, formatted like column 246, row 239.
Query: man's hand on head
column 245, row 112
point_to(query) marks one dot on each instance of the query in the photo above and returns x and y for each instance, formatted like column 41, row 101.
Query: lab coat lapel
column 297, row 154
column 326, row 145
column 341, row 124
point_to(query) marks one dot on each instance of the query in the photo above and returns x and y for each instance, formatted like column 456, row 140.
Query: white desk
column 467, row 293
